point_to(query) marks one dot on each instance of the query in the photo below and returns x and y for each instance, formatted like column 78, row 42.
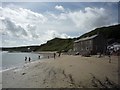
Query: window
column 90, row 41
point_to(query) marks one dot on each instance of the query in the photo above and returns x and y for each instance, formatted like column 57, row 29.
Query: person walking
column 109, row 55
column 25, row 59
column 59, row 54
column 39, row 57
column 54, row 55
column 48, row 57
column 29, row 59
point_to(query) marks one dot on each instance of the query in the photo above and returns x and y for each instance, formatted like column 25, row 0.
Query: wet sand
column 64, row 72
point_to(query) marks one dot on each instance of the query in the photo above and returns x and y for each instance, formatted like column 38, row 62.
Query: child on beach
column 59, row 54
column 25, row 59
column 38, row 57
column 29, row 59
column 54, row 55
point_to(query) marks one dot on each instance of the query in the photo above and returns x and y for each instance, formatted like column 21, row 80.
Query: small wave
column 3, row 70
column 18, row 66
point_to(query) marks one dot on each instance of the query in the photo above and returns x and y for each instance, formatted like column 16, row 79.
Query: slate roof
column 86, row 38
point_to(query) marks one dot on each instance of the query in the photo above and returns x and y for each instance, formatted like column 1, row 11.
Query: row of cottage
column 92, row 45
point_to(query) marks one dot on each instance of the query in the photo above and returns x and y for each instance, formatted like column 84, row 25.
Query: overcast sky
column 30, row 23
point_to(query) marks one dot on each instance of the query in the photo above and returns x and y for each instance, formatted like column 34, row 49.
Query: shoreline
column 64, row 72
column 20, row 65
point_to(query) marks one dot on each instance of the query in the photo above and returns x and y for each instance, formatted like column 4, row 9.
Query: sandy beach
column 66, row 71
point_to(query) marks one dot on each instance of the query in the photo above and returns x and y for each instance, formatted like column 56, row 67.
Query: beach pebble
column 70, row 84
column 46, row 86
column 23, row 73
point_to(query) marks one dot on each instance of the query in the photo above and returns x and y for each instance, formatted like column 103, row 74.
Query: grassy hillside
column 110, row 32
column 57, row 44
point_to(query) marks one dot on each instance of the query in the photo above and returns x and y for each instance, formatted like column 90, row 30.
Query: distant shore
column 66, row 71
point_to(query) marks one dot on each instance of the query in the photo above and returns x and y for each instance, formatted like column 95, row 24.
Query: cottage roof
column 86, row 38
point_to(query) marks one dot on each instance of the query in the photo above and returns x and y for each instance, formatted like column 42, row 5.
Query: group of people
column 29, row 59
column 58, row 55
column 54, row 56
column 109, row 53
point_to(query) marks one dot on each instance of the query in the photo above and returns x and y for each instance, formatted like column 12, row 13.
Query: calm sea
column 16, row 59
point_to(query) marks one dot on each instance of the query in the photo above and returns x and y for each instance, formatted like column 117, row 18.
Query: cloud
column 14, row 28
column 90, row 18
column 21, row 23
column 23, row 16
column 82, row 21
column 52, row 34
column 25, row 25
column 4, row 42
column 59, row 7
column 21, row 26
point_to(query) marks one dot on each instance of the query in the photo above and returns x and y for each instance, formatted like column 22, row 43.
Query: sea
column 9, row 60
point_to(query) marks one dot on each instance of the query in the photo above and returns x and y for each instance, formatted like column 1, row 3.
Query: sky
column 34, row 23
